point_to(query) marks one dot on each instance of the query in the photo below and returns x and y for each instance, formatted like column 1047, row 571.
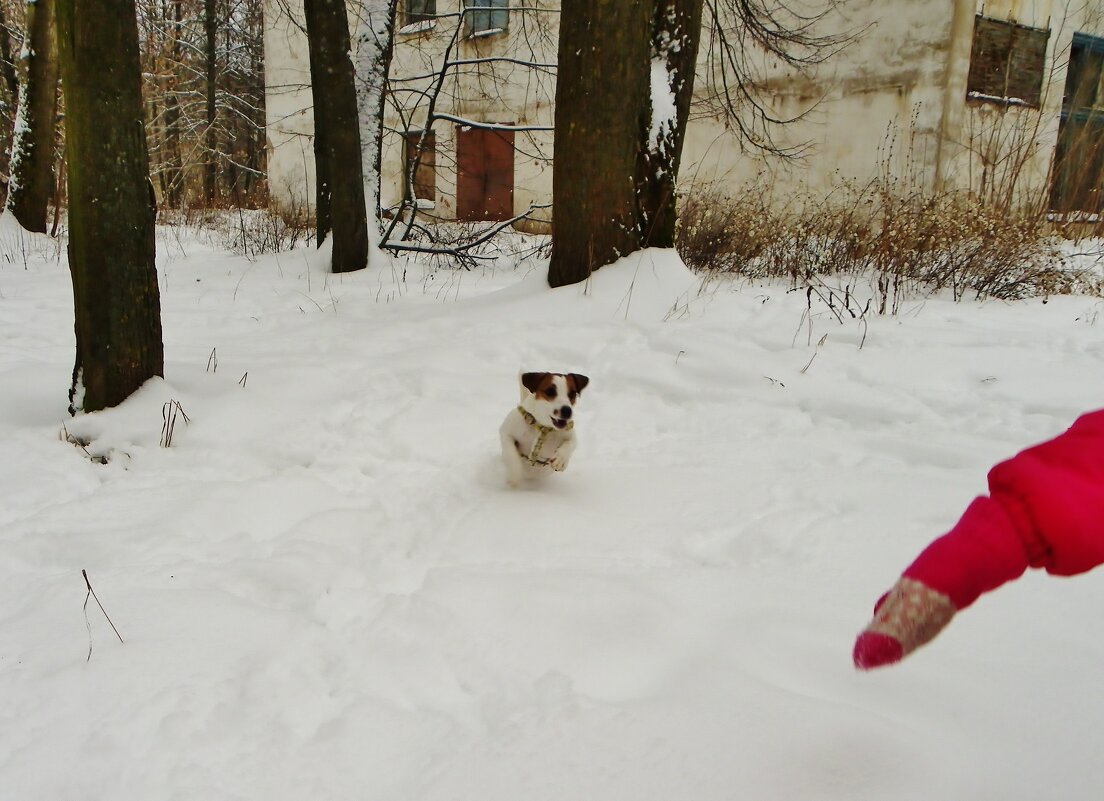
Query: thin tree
column 375, row 47
column 203, row 82
column 172, row 174
column 210, row 167
column 111, row 213
column 339, row 176
column 31, row 185
column 9, row 93
column 676, row 32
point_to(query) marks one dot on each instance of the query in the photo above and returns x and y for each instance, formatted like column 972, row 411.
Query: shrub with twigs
column 904, row 245
column 254, row 233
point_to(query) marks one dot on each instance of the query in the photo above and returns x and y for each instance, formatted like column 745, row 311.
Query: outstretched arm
column 1045, row 509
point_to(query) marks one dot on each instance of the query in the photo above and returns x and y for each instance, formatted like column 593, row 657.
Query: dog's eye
column 550, row 392
column 571, row 396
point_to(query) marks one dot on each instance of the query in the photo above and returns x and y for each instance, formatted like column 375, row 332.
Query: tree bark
column 111, row 214
column 7, row 65
column 374, row 51
column 602, row 117
column 676, row 33
column 339, row 175
column 8, row 103
column 31, row 185
column 173, row 170
column 210, row 164
column 624, row 84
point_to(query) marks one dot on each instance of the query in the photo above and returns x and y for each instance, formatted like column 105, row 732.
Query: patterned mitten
column 1045, row 509
column 905, row 618
column 977, row 555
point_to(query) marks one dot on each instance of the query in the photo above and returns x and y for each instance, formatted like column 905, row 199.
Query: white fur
column 519, row 436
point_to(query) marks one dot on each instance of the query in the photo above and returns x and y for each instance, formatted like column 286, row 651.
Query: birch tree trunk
column 676, row 33
column 375, row 45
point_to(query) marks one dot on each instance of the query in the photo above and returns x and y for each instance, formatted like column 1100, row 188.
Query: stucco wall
column 891, row 103
column 877, row 104
column 288, row 108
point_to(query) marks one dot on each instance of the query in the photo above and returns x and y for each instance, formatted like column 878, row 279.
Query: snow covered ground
column 327, row 591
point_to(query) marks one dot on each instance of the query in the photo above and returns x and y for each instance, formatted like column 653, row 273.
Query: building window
column 484, row 17
column 1006, row 64
column 419, row 11
column 425, row 174
column 1077, row 175
column 1084, row 75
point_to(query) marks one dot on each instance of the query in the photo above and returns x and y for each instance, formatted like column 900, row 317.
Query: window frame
column 428, row 12
column 1016, row 46
column 486, row 17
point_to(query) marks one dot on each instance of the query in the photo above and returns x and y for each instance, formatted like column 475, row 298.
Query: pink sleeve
column 1045, row 509
column 1054, row 494
column 979, row 554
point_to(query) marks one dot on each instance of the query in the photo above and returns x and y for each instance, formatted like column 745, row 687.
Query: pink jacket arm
column 1054, row 493
column 1045, row 509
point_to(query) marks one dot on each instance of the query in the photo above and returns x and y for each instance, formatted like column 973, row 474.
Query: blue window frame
column 483, row 17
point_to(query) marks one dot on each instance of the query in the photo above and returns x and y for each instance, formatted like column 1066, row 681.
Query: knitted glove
column 978, row 555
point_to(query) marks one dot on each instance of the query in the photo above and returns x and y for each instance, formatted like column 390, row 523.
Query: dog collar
column 533, row 456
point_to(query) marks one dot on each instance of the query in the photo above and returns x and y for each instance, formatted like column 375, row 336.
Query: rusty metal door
column 484, row 174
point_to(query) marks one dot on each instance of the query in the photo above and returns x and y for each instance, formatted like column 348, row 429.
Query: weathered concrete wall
column 288, row 108
column 893, row 103
column 875, row 108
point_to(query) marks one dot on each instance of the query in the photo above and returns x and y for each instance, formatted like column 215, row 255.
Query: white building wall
column 893, row 102
column 877, row 103
column 288, row 108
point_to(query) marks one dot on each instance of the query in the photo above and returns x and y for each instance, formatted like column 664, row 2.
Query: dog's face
column 551, row 396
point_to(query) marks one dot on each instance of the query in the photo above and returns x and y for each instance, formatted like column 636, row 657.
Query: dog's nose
column 565, row 412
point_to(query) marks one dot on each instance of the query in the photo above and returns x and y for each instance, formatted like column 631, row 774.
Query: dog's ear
column 579, row 381
column 532, row 381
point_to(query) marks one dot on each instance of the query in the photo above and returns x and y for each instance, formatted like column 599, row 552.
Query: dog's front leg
column 515, row 468
column 563, row 455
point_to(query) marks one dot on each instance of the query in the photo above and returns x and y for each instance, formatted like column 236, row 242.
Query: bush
column 904, row 246
column 253, row 233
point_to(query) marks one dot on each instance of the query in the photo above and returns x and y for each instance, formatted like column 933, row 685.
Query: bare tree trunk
column 602, row 117
column 111, row 214
column 210, row 167
column 374, row 50
column 32, row 163
column 339, row 174
column 676, row 32
column 7, row 64
column 174, row 176
column 8, row 102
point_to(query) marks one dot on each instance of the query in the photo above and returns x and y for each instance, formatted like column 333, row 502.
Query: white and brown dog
column 539, row 434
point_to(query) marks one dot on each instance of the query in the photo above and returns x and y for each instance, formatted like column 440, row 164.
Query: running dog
column 539, row 435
